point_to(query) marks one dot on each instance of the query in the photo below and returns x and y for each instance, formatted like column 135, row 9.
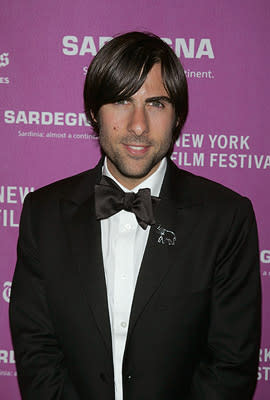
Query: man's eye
column 157, row 104
column 121, row 102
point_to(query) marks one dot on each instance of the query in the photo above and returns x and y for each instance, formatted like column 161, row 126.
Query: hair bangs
column 126, row 76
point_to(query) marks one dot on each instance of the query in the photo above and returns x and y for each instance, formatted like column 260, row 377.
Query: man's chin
column 138, row 172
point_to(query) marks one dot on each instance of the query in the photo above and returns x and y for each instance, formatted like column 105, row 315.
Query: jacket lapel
column 85, row 241
column 178, row 213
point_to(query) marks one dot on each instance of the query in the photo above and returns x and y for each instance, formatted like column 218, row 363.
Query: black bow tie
column 110, row 199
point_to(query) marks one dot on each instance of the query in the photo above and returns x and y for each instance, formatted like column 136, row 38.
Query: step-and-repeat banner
column 45, row 49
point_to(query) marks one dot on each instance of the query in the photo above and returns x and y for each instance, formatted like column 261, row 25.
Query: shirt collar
column 153, row 182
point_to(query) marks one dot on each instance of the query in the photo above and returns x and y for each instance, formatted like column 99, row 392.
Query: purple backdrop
column 45, row 48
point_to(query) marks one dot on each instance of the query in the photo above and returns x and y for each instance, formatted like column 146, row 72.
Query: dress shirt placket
column 124, row 284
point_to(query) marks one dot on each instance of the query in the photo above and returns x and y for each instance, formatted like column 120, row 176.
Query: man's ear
column 177, row 122
column 93, row 116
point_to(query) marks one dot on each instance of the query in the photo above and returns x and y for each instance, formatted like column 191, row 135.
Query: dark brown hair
column 120, row 69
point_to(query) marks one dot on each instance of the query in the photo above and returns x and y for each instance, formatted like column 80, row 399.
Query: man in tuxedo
column 136, row 280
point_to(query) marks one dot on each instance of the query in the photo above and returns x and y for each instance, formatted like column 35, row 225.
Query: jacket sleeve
column 228, row 369
column 39, row 360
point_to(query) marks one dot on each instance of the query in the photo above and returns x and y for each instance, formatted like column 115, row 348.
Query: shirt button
column 128, row 227
column 123, row 324
column 124, row 277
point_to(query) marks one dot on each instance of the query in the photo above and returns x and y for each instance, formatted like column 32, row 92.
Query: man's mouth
column 136, row 149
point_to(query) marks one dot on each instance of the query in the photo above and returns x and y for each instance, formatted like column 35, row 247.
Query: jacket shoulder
column 207, row 191
column 71, row 187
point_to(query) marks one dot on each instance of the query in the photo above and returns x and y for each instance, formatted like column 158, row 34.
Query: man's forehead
column 153, row 84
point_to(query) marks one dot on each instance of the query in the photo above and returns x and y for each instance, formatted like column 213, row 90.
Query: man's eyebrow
column 158, row 98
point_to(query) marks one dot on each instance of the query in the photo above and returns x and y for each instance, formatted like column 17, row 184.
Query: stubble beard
column 123, row 166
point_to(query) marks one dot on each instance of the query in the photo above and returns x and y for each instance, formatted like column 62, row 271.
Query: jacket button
column 102, row 377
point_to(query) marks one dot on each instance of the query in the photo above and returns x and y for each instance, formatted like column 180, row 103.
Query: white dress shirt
column 123, row 244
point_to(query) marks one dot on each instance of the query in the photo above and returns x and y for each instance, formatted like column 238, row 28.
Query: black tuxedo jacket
column 194, row 327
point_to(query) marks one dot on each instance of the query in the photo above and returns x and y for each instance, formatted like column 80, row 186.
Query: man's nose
column 138, row 121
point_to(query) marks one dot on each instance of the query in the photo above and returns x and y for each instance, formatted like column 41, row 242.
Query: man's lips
column 136, row 149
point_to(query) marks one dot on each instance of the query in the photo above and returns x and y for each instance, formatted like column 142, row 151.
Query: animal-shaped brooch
column 165, row 236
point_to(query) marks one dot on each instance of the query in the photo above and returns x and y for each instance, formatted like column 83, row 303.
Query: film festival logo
column 4, row 60
column 188, row 48
column 6, row 291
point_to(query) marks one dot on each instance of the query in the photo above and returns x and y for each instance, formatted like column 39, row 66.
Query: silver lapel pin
column 166, row 236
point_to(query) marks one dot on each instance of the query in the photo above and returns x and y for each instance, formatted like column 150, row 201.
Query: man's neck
column 152, row 181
